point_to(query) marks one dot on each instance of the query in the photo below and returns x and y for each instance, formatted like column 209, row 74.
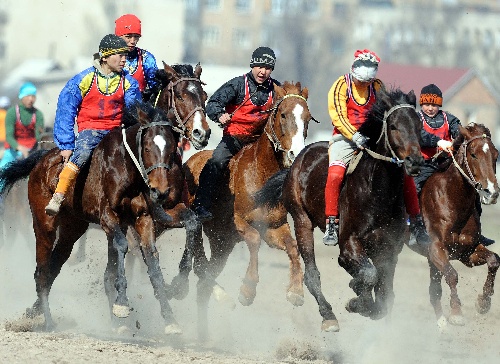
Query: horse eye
column 147, row 150
column 283, row 116
column 473, row 155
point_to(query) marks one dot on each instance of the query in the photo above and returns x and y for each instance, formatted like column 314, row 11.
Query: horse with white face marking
column 236, row 217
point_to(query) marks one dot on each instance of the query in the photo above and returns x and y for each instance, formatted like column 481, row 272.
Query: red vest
column 138, row 73
column 356, row 113
column 247, row 119
column 99, row 111
column 25, row 135
column 443, row 132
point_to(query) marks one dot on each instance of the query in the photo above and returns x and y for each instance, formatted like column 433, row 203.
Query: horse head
column 156, row 154
column 182, row 96
column 476, row 158
column 287, row 124
column 394, row 128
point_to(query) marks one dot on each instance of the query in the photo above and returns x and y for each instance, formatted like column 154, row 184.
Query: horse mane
column 473, row 128
column 182, row 69
column 131, row 114
column 372, row 127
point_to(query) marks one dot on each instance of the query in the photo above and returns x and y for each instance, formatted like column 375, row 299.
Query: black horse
column 372, row 213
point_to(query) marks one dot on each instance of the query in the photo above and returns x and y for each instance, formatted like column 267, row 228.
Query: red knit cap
column 127, row 24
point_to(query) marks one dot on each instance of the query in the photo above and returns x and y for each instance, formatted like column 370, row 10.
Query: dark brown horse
column 448, row 206
column 372, row 213
column 236, row 217
column 131, row 173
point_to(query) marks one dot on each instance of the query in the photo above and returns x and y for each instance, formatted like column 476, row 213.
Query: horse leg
column 435, row 294
column 281, row 238
column 354, row 260
column 439, row 257
column 305, row 241
column 479, row 257
column 384, row 288
column 248, row 289
column 145, row 228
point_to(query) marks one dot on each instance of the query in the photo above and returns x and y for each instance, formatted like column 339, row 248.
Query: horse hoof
column 122, row 330
column 352, row 305
column 221, row 296
column 457, row 320
column 330, row 326
column 245, row 301
column 121, row 311
column 179, row 288
column 442, row 323
column 173, row 329
column 295, row 299
column 483, row 304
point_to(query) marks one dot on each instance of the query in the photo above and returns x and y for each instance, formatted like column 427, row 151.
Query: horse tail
column 19, row 169
column 272, row 193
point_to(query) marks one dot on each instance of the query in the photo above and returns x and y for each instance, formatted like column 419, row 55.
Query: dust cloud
column 270, row 330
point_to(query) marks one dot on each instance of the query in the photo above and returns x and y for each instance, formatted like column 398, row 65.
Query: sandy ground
column 269, row 331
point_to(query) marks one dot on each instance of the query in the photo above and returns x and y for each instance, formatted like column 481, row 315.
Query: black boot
column 418, row 234
column 332, row 231
column 485, row 241
column 202, row 213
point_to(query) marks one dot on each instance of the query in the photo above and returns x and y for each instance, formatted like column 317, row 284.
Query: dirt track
column 270, row 330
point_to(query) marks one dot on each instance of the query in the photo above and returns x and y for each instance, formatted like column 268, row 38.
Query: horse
column 372, row 214
column 448, row 206
column 236, row 217
column 131, row 173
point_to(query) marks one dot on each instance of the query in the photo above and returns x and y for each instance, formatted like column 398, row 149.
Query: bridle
column 139, row 163
column 181, row 123
column 271, row 135
column 469, row 177
column 394, row 159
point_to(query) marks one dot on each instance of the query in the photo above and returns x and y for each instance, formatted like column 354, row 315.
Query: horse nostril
column 196, row 133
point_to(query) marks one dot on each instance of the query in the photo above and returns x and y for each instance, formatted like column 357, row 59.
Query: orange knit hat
column 127, row 24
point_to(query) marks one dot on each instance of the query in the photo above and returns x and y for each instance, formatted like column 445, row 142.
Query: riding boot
column 485, row 241
column 209, row 177
column 332, row 231
column 66, row 179
column 418, row 233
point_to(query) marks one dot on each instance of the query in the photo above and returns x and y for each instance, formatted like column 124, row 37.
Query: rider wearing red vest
column 349, row 101
column 140, row 63
column 23, row 125
column 96, row 98
column 439, row 129
column 236, row 106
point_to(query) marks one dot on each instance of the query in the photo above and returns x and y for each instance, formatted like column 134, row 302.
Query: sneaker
column 418, row 234
column 52, row 209
column 202, row 213
column 485, row 241
column 332, row 231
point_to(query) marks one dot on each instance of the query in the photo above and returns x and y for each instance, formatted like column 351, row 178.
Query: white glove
column 359, row 139
column 445, row 145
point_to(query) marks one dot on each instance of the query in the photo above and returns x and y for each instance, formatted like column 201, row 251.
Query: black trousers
column 213, row 170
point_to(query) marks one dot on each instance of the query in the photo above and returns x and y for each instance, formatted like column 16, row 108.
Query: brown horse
column 452, row 220
column 180, row 93
column 131, row 172
column 236, row 217
column 372, row 214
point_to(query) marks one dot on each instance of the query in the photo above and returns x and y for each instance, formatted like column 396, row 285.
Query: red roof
column 412, row 77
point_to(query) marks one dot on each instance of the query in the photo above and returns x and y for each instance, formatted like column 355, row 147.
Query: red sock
column 410, row 196
column 332, row 189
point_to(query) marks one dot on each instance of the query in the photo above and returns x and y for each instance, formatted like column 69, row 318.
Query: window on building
column 243, row 6
column 340, row 11
column 312, row 7
column 337, row 45
column 211, row 36
column 241, row 39
column 213, row 5
column 278, row 7
column 192, row 5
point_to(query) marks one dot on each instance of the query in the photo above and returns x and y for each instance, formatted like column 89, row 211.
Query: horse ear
column 280, row 91
column 197, row 70
column 464, row 131
column 169, row 70
column 305, row 92
column 412, row 98
column 142, row 116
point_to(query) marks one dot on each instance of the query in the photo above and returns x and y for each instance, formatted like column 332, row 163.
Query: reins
column 181, row 123
column 471, row 180
column 383, row 133
column 138, row 162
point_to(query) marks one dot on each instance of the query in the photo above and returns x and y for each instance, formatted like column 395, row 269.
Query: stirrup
column 331, row 237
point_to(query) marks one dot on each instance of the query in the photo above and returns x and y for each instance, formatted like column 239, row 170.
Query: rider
column 140, row 63
column 96, row 98
column 439, row 129
column 237, row 107
column 349, row 100
column 23, row 125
